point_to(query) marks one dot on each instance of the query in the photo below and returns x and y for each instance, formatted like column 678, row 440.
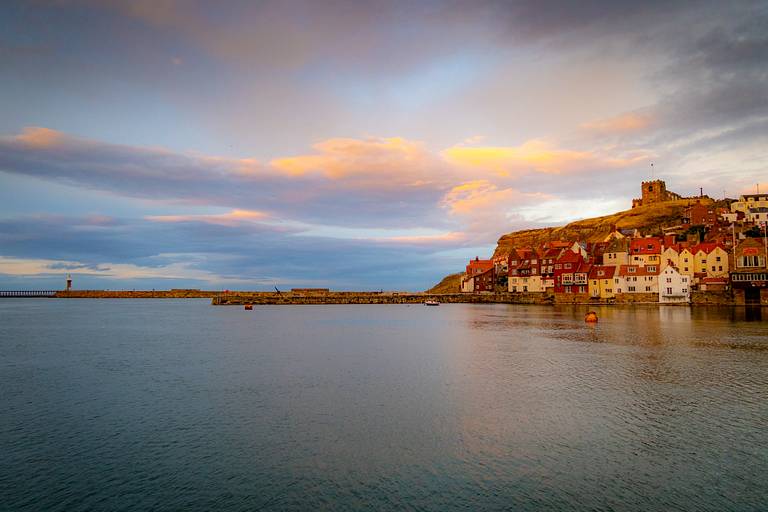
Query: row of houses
column 650, row 265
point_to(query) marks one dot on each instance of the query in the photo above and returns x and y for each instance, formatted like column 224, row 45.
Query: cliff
column 649, row 219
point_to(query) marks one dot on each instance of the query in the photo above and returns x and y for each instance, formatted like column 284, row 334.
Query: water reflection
column 461, row 407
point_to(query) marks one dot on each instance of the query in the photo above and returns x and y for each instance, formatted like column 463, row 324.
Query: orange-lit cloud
column 450, row 237
column 533, row 156
column 624, row 123
column 35, row 137
column 383, row 161
column 233, row 218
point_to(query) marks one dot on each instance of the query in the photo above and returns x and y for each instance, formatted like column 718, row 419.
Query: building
column 617, row 253
column 710, row 259
column 566, row 267
column 645, row 251
column 525, row 276
column 654, row 192
column 601, row 283
column 748, row 201
column 637, row 279
column 674, row 287
column 480, row 276
column 757, row 214
column 749, row 276
column 700, row 215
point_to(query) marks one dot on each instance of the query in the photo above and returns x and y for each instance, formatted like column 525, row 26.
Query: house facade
column 637, row 279
column 601, row 281
column 749, row 276
column 674, row 287
column 480, row 276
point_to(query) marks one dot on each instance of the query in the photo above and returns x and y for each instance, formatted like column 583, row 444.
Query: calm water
column 177, row 405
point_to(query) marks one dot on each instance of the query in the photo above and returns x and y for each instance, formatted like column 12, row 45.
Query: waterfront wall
column 136, row 294
column 698, row 298
column 711, row 298
column 255, row 298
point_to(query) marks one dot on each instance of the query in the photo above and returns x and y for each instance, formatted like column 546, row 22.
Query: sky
column 353, row 145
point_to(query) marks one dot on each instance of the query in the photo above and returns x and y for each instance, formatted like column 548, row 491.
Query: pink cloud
column 233, row 218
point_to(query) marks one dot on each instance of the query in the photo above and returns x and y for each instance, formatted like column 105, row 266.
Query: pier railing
column 28, row 293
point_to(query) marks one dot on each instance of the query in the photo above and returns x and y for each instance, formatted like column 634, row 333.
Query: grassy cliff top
column 648, row 219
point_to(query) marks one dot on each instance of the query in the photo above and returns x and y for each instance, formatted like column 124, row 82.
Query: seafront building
column 674, row 287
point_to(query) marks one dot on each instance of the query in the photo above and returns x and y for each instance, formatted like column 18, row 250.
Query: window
column 669, row 279
column 685, row 269
column 720, row 268
column 717, row 259
column 631, row 269
column 567, row 265
column 647, row 288
column 669, row 291
column 631, row 288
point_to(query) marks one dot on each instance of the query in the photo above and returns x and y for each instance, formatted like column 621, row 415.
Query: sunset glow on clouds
column 159, row 144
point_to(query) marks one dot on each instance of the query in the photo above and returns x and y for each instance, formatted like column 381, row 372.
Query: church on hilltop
column 655, row 192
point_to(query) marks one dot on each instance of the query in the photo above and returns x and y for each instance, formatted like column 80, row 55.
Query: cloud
column 534, row 156
column 621, row 124
column 233, row 218
column 390, row 161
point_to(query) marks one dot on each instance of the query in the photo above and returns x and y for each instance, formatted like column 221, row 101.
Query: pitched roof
column 607, row 271
column 707, row 247
column 624, row 270
column 650, row 245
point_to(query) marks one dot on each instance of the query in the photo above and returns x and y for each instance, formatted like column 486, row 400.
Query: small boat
column 431, row 303
column 248, row 307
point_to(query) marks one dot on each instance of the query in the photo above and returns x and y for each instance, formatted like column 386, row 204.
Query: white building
column 748, row 201
column 674, row 287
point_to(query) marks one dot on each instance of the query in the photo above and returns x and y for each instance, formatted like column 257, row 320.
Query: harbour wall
column 240, row 298
column 136, row 294
column 698, row 298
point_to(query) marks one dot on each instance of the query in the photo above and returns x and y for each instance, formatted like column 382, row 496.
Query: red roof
column 707, row 247
column 569, row 257
column 607, row 272
column 478, row 264
column 624, row 270
column 645, row 245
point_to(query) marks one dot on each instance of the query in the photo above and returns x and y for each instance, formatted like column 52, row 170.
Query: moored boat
column 431, row 303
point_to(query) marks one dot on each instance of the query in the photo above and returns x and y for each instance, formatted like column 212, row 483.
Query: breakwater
column 315, row 296
column 240, row 298
column 137, row 294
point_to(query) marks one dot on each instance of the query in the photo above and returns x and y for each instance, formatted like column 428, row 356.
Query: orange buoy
column 248, row 307
column 591, row 317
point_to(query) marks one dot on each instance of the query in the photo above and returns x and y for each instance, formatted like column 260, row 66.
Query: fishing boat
column 431, row 303
column 249, row 307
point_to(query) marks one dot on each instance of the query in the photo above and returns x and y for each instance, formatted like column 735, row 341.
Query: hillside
column 648, row 219
column 449, row 284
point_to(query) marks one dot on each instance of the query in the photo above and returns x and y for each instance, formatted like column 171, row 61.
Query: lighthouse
column 69, row 283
